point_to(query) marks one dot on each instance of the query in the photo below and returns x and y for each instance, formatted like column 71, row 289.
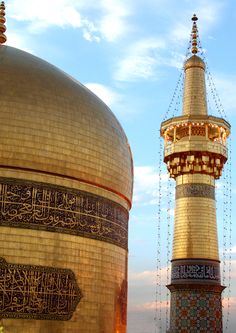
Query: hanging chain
column 168, row 241
column 158, row 309
column 225, row 220
column 229, row 252
column 178, row 92
column 175, row 95
column 227, row 199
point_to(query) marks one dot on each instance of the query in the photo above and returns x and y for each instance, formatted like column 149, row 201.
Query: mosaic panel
column 35, row 205
column 37, row 292
column 193, row 311
column 195, row 190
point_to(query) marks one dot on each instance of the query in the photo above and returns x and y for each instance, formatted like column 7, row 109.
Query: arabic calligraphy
column 35, row 205
column 195, row 190
column 196, row 272
column 37, row 292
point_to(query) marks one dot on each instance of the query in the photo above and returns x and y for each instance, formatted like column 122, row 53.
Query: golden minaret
column 195, row 152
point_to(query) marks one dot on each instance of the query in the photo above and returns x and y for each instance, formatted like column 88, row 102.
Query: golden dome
column 194, row 61
column 52, row 124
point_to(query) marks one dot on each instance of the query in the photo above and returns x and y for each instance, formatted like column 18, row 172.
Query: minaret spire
column 194, row 100
column 3, row 37
column 194, row 35
column 195, row 154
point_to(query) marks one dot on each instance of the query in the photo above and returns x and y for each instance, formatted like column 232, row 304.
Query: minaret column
column 195, row 278
column 195, row 155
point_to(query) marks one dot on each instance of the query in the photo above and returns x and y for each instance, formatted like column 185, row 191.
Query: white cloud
column 56, row 12
column 150, row 306
column 180, row 32
column 145, row 184
column 208, row 13
column 18, row 41
column 113, row 24
column 146, row 180
column 149, row 277
column 108, row 20
column 107, row 95
column 140, row 61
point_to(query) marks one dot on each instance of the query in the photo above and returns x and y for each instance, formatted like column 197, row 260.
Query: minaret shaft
column 194, row 101
column 195, row 153
column 195, row 232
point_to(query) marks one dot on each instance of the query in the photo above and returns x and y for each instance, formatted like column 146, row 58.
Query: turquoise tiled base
column 195, row 311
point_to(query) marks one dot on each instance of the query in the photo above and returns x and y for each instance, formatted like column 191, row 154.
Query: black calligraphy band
column 33, row 205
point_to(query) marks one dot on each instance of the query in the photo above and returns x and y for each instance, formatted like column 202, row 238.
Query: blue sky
column 130, row 53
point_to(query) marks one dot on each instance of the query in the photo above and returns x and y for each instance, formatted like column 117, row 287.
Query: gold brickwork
column 62, row 181
column 194, row 101
column 52, row 124
column 66, row 204
column 195, row 231
column 195, row 178
column 99, row 267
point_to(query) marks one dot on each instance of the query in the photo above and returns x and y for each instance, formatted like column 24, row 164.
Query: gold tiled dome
column 52, row 124
column 194, row 61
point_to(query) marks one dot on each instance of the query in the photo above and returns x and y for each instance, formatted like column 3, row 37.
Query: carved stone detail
column 37, row 292
column 33, row 205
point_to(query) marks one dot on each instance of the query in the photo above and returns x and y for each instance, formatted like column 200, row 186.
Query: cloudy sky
column 130, row 53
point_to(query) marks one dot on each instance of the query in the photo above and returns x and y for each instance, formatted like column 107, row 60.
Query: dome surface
column 50, row 123
column 194, row 61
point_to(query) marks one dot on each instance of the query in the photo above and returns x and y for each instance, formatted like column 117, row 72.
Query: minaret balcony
column 195, row 144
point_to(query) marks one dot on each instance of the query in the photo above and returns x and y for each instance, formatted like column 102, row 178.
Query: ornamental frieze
column 33, row 205
column 193, row 271
column 37, row 292
column 195, row 190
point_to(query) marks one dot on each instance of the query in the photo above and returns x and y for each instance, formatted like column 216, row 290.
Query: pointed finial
column 194, row 35
column 3, row 37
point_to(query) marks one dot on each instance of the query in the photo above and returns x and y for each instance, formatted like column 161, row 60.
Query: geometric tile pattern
column 194, row 311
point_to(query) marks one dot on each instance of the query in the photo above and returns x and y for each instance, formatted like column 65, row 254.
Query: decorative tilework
column 33, row 205
column 194, row 311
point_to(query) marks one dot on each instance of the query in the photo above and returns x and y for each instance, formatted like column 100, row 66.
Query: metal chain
column 229, row 234
column 173, row 99
column 178, row 92
column 169, row 205
column 158, row 309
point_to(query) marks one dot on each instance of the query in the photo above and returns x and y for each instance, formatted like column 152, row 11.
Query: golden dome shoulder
column 194, row 61
column 51, row 123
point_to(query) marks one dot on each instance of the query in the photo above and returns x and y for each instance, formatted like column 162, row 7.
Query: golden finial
column 3, row 37
column 194, row 35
